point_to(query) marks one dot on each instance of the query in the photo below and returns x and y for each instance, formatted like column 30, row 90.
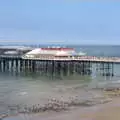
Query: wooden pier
column 66, row 66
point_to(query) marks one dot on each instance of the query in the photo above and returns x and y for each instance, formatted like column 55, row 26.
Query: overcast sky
column 60, row 21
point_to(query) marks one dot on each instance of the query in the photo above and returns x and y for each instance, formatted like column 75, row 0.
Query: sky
column 60, row 21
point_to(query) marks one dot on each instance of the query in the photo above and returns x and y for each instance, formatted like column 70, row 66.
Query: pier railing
column 77, row 58
column 10, row 56
column 67, row 58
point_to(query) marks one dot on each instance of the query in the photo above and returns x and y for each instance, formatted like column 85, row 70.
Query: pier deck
column 78, row 58
column 69, row 58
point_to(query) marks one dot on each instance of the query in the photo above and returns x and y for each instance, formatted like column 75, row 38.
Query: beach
column 108, row 111
column 105, row 107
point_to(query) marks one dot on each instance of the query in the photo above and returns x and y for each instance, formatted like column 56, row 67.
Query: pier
column 56, row 65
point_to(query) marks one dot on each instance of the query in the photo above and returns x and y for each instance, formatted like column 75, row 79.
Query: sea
column 33, row 89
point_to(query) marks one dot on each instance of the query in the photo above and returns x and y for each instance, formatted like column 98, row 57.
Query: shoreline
column 106, row 111
column 67, row 105
column 96, row 112
column 73, row 105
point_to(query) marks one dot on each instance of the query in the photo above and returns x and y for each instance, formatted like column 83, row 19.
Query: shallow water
column 30, row 90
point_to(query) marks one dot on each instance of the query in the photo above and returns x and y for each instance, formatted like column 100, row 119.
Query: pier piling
column 57, row 67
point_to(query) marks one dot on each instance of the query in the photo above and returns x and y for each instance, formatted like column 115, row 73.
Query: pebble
column 3, row 116
column 59, row 105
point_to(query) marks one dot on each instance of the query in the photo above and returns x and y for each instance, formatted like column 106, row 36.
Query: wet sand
column 100, row 111
column 108, row 111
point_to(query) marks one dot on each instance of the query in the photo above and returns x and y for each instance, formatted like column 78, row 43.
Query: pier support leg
column 33, row 66
column 21, row 65
column 112, row 69
column 0, row 65
column 46, row 68
column 71, row 66
column 53, row 69
column 59, row 68
column 4, row 65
